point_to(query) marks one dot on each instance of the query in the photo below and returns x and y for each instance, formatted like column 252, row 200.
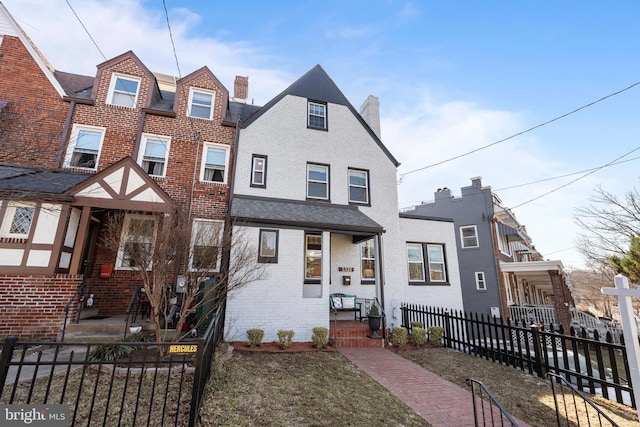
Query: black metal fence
column 149, row 387
column 592, row 366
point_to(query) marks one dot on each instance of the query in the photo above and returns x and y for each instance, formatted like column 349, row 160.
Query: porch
column 530, row 314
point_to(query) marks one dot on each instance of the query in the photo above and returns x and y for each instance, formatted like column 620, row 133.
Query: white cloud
column 121, row 25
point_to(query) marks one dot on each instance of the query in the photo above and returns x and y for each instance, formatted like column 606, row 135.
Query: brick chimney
column 370, row 112
column 241, row 88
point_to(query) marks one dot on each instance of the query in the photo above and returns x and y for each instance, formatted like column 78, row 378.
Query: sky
column 452, row 77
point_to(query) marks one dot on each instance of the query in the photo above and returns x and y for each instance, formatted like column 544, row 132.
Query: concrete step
column 95, row 337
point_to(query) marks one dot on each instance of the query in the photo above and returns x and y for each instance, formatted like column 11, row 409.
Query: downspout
column 195, row 171
column 380, row 282
column 228, row 222
column 136, row 148
column 65, row 134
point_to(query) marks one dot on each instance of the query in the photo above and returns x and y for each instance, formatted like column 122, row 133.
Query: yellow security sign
column 188, row 348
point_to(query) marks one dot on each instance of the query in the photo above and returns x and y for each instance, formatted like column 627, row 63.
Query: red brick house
column 74, row 148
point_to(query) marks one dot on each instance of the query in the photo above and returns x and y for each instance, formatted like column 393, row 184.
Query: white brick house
column 315, row 189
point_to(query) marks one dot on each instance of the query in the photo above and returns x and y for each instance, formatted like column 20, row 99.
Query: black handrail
column 79, row 291
column 555, row 378
column 132, row 301
column 493, row 402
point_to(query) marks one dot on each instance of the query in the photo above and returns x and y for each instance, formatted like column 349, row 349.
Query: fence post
column 198, row 378
column 537, row 349
column 447, row 326
column 405, row 316
column 5, row 358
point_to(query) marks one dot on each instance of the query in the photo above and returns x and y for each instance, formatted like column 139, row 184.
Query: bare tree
column 586, row 287
column 608, row 225
column 182, row 264
column 26, row 132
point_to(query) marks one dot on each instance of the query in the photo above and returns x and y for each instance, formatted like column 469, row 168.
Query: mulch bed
column 274, row 347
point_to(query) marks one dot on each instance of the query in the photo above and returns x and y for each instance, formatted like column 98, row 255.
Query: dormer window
column 201, row 104
column 317, row 117
column 123, row 90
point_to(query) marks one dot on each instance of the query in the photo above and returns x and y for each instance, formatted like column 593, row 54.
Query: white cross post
column 629, row 328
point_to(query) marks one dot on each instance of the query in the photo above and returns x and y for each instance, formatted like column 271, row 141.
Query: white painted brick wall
column 277, row 302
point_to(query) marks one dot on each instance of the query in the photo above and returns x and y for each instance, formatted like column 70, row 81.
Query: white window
column 469, row 236
column 136, row 242
column 317, row 181
column 368, row 259
column 317, row 115
column 123, row 90
column 83, row 150
column 358, row 186
column 416, row 262
column 214, row 163
column 313, row 258
column 259, row 171
column 481, row 284
column 201, row 103
column 435, row 266
column 206, row 244
column 154, row 152
column 17, row 221
column 437, row 270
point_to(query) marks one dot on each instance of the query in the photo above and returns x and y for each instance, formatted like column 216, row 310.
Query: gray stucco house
column 501, row 272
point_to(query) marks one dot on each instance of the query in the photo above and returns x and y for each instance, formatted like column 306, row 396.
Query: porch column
column 81, row 237
column 561, row 301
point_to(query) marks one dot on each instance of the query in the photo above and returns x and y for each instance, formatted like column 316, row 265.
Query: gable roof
column 9, row 26
column 123, row 185
column 316, row 85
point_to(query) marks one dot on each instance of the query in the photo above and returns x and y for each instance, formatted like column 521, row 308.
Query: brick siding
column 33, row 306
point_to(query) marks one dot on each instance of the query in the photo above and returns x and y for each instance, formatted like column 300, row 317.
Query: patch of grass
column 526, row 397
column 300, row 389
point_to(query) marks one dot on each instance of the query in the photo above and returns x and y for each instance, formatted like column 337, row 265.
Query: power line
column 577, row 179
column 86, row 30
column 566, row 175
column 521, row 133
column 175, row 55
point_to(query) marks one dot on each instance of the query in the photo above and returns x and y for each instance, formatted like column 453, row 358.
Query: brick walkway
column 437, row 400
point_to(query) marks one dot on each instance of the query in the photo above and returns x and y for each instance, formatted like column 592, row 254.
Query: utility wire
column 566, row 175
column 521, row 133
column 577, row 179
column 86, row 30
column 173, row 45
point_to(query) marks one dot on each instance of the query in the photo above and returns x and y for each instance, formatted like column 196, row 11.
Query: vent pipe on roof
column 370, row 112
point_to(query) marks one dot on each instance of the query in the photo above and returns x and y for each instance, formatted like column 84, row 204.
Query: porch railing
column 530, row 314
column 76, row 296
column 592, row 325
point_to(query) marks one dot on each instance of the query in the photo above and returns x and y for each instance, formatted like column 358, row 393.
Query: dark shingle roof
column 325, row 216
column 75, row 85
column 33, row 180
